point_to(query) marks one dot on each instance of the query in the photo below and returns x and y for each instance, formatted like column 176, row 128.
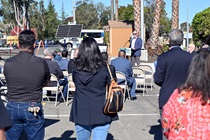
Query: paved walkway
column 138, row 120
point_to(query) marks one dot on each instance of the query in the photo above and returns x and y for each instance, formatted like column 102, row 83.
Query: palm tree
column 137, row 14
column 116, row 10
column 175, row 14
column 154, row 36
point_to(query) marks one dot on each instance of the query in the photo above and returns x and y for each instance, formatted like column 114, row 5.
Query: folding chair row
column 149, row 72
column 140, row 78
column 54, row 89
column 124, row 85
column 71, row 88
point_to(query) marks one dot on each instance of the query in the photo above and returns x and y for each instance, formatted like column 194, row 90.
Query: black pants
column 163, row 136
column 135, row 59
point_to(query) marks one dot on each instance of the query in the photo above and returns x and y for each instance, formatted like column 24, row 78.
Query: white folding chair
column 55, row 89
column 149, row 75
column 140, row 78
column 65, row 73
column 2, row 65
column 122, row 77
column 71, row 88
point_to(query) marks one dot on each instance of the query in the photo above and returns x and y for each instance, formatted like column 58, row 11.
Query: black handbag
column 114, row 97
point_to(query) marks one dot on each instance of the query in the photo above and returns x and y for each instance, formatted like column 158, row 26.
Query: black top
column 25, row 76
column 5, row 121
column 171, row 72
column 70, row 65
column 89, row 97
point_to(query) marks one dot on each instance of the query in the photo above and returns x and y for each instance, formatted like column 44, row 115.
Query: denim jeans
column 99, row 132
column 64, row 83
column 163, row 136
column 132, row 84
column 23, row 120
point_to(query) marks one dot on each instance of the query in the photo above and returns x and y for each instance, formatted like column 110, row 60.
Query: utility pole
column 116, row 10
column 187, row 24
column 74, row 8
column 112, row 10
column 142, row 23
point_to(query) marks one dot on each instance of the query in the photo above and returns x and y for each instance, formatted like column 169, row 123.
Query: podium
column 127, row 51
column 144, row 55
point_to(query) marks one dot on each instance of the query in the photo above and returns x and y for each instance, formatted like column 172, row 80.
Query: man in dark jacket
column 172, row 68
column 105, row 57
column 26, row 75
column 55, row 69
column 71, row 61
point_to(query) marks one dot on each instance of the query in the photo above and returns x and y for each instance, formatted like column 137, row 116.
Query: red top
column 184, row 118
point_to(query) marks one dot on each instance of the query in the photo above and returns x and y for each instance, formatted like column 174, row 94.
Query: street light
column 142, row 22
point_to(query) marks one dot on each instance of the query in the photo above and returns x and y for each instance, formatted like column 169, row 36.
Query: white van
column 98, row 35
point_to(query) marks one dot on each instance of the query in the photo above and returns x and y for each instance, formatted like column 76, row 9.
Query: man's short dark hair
column 122, row 53
column 104, row 56
column 26, row 39
column 64, row 53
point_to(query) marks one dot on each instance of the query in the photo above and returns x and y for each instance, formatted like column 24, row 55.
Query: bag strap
column 110, row 73
column 107, row 89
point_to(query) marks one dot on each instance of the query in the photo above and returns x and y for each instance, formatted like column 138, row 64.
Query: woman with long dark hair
column 90, row 76
column 187, row 113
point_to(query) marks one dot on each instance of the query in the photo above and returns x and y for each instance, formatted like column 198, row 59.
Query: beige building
column 119, row 36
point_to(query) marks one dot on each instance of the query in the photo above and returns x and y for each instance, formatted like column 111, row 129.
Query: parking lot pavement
column 137, row 121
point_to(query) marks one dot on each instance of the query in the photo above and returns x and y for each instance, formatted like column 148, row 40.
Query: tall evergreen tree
column 51, row 21
column 37, row 17
column 86, row 14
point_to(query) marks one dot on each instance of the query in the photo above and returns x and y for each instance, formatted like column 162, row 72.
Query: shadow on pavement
column 49, row 122
column 110, row 137
column 67, row 134
column 64, row 136
column 156, row 130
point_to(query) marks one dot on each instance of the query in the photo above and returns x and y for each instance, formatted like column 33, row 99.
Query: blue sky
column 194, row 6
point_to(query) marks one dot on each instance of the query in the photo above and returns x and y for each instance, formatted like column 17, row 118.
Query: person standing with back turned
column 90, row 76
column 172, row 68
column 26, row 74
column 186, row 115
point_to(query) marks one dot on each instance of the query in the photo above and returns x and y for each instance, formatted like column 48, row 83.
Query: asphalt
column 139, row 119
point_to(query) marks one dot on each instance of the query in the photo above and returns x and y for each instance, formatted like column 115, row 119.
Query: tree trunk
column 17, row 14
column 154, row 36
column 116, row 10
column 175, row 14
column 26, row 15
column 137, row 15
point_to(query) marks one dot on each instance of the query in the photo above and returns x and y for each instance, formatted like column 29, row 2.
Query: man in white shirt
column 136, row 44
